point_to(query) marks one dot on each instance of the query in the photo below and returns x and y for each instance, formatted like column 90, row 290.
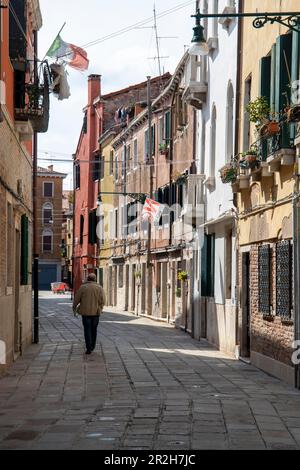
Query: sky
column 122, row 61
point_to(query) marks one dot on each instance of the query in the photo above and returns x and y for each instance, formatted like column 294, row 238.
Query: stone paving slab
column 147, row 386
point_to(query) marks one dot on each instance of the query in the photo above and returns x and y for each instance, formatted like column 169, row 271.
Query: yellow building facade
column 265, row 188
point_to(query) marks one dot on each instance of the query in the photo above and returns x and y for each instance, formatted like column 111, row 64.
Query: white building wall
column 219, row 70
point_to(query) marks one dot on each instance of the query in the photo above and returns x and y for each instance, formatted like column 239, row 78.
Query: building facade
column 49, row 226
column 16, row 136
column 266, row 188
column 103, row 113
column 216, row 147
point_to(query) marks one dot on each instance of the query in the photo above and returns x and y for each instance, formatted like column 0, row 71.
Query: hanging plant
column 182, row 276
column 250, row 159
column 228, row 173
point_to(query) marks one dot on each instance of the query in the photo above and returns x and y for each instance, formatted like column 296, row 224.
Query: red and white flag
column 152, row 211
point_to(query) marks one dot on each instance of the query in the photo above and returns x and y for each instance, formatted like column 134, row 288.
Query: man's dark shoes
column 88, row 352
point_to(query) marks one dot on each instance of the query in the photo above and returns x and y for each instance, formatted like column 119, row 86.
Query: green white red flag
column 74, row 56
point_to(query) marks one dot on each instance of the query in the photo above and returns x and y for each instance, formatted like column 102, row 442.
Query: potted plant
column 228, row 173
column 163, row 149
column 250, row 159
column 259, row 111
column 182, row 276
column 270, row 128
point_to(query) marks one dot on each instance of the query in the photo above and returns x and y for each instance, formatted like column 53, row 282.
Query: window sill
column 269, row 318
column 287, row 322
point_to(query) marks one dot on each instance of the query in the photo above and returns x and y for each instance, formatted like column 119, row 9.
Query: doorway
column 17, row 339
column 246, row 318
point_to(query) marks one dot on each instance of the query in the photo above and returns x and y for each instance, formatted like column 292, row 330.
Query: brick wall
column 271, row 338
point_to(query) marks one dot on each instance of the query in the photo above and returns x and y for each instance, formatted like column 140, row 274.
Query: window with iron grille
column 284, row 269
column 264, row 279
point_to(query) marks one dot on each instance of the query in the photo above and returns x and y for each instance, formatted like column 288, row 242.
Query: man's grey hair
column 92, row 278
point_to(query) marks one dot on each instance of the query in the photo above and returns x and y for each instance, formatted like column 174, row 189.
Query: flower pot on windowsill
column 270, row 128
column 164, row 150
column 269, row 318
column 228, row 174
column 251, row 161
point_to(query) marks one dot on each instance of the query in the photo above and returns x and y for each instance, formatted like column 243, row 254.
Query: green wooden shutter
column 265, row 77
column 295, row 75
column 24, row 250
column 283, row 90
column 153, row 138
column 204, row 268
column 273, row 78
column 167, row 127
column 265, row 91
column 211, row 265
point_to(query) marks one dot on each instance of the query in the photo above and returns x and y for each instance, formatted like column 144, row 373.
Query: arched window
column 47, row 241
column 47, row 213
column 229, row 122
column 213, row 136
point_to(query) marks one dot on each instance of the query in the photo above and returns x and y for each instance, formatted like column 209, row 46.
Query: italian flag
column 73, row 55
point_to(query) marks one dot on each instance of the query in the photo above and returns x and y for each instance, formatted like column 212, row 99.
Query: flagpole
column 63, row 26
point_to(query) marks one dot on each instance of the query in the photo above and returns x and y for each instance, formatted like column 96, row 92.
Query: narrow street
column 147, row 386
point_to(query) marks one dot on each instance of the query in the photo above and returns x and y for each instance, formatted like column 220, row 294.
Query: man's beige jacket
column 91, row 299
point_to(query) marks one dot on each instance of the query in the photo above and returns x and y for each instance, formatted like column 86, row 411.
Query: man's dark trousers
column 90, row 324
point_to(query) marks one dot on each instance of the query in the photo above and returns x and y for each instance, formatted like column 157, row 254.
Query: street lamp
column 199, row 46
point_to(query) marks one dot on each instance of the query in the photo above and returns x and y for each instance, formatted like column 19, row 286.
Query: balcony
column 32, row 105
column 195, row 94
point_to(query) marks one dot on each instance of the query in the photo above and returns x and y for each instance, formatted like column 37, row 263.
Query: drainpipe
column 236, row 151
column 1, row 88
column 35, row 222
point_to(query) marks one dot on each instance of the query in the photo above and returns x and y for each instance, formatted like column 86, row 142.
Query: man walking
column 91, row 299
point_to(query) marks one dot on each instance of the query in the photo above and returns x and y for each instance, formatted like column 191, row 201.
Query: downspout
column 236, row 151
column 296, row 256
column 194, row 170
column 1, row 87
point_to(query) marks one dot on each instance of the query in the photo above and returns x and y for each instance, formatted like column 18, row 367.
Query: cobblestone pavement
column 147, row 386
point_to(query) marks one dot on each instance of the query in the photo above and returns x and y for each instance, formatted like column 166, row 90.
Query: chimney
column 94, row 88
column 50, row 167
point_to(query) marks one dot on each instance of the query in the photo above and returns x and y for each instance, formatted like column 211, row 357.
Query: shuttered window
column 282, row 82
column 284, row 266
column 265, row 91
column 208, row 266
column 264, row 279
column 92, row 227
column 24, row 250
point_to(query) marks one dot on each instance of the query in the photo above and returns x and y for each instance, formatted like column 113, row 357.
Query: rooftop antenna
column 157, row 41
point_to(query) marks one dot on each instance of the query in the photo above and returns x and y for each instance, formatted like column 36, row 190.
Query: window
column 284, row 272
column 9, row 244
column 124, row 161
column 24, row 250
column 121, row 276
column 111, row 225
column 132, row 218
column 101, row 230
column 93, row 227
column 47, row 214
column 47, row 241
column 146, row 147
column 264, row 279
column 116, row 168
column 116, row 223
column 81, row 229
column 213, row 139
column 161, row 131
column 85, row 124
column 208, row 266
column 167, row 128
column 135, row 153
column 48, row 189
column 111, row 163
column 77, row 176
column 246, row 130
column 97, row 166
column 128, row 157
column 229, row 123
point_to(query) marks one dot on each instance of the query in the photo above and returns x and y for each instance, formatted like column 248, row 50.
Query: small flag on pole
column 74, row 56
column 152, row 211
